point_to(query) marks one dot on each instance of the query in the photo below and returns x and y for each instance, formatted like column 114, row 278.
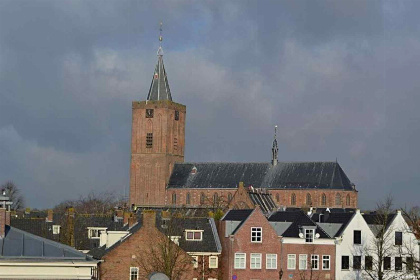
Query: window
column 56, row 229
column 195, row 261
column 187, row 199
column 271, row 261
column 175, row 143
column 255, row 261
column 398, row 263
column 387, row 263
column 326, row 262
column 410, row 264
column 368, row 262
column 308, row 199
column 134, row 273
column 240, row 261
column 398, row 238
column 357, row 262
column 357, row 237
column 229, row 197
column 345, row 262
column 323, row 199
column 177, row 115
column 94, row 233
column 309, row 235
column 215, row 198
column 348, row 200
column 315, row 262
column 173, row 198
column 277, row 197
column 291, row 261
column 256, row 234
column 293, row 199
column 213, row 262
column 303, row 262
column 149, row 140
column 202, row 198
column 338, row 199
column 194, row 235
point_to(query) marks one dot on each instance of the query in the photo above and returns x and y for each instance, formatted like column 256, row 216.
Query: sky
column 340, row 79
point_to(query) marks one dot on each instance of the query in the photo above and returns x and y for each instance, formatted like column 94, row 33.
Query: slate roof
column 376, row 221
column 284, row 175
column 18, row 244
column 159, row 88
column 340, row 219
column 237, row 215
column 298, row 219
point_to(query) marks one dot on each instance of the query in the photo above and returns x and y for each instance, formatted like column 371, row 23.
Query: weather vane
column 160, row 34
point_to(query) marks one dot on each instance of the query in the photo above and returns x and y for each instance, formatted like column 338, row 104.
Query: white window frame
column 193, row 231
column 303, row 257
column 237, row 261
column 291, row 259
column 136, row 270
column 271, row 261
column 253, row 260
column 256, row 233
column 315, row 258
column 326, row 257
column 195, row 261
column 56, row 229
column 216, row 260
column 95, row 229
column 311, row 235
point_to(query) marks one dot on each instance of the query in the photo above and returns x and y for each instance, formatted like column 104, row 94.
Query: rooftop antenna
column 275, row 149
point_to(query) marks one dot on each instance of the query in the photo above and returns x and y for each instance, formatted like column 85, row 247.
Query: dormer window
column 193, row 235
column 56, row 229
column 309, row 235
column 95, row 233
column 256, row 234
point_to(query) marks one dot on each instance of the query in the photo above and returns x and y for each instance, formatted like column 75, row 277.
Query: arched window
column 202, row 198
column 188, row 199
column 293, row 199
column 215, row 198
column 348, row 200
column 277, row 197
column 308, row 199
column 173, row 198
column 229, row 197
column 338, row 199
column 323, row 199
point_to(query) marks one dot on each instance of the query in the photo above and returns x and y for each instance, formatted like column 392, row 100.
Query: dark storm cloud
column 337, row 77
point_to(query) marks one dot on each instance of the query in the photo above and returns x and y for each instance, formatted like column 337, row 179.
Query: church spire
column 275, row 149
column 159, row 88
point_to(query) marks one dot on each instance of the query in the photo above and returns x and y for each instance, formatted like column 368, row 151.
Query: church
column 159, row 176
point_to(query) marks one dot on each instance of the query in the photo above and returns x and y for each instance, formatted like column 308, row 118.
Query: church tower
column 157, row 140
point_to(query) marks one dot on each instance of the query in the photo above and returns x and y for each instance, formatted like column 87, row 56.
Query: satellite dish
column 158, row 276
column 301, row 235
column 317, row 235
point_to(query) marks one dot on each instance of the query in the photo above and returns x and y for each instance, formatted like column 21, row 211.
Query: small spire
column 275, row 149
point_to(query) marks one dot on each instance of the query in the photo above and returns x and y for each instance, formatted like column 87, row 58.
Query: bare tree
column 409, row 250
column 13, row 192
column 312, row 271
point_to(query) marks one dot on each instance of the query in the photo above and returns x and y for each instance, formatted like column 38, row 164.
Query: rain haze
column 339, row 78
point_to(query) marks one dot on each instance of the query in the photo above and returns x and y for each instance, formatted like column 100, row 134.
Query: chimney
column 50, row 216
column 2, row 222
column 149, row 218
column 70, row 226
column 132, row 220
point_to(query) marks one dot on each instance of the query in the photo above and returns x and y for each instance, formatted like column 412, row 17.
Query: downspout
column 281, row 258
column 231, row 238
column 202, row 258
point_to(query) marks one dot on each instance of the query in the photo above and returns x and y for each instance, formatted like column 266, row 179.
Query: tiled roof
column 284, row 175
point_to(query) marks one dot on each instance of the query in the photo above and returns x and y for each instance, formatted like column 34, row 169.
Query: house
column 193, row 244
column 250, row 245
column 27, row 256
column 307, row 251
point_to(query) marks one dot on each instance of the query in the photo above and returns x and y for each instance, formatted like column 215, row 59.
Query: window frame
column 56, row 229
column 400, row 263
column 291, row 258
column 254, row 257
column 368, row 262
column 309, row 238
column 193, row 231
column 348, row 263
column 316, row 259
column 95, row 229
column 359, row 237
column 357, row 262
column 269, row 258
column 257, row 236
column 149, row 140
column 400, row 240
column 216, row 259
column 134, row 269
column 238, row 261
column 388, row 262
column 301, row 256
column 326, row 258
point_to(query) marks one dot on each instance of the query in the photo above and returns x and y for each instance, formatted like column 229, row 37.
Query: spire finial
column 275, row 149
column 160, row 50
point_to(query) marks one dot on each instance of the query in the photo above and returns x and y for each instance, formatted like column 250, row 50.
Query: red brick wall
column 2, row 222
column 151, row 167
column 242, row 244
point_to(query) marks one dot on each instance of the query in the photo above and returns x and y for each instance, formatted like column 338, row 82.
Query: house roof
column 264, row 200
column 284, row 175
column 340, row 219
column 377, row 222
column 18, row 244
column 237, row 215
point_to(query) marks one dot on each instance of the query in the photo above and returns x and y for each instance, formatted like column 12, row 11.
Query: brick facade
column 152, row 162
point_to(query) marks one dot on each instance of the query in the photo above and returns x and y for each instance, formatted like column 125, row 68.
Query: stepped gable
column 283, row 175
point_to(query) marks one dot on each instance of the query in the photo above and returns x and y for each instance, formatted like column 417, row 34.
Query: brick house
column 160, row 177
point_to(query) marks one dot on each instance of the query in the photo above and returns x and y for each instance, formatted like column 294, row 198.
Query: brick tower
column 157, row 140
